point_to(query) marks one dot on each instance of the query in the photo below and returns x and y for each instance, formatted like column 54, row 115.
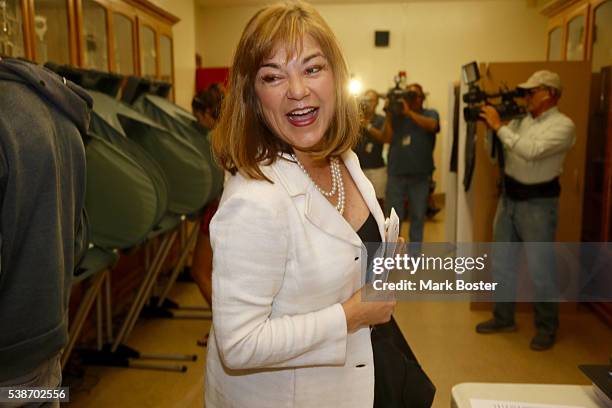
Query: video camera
column 476, row 98
column 396, row 94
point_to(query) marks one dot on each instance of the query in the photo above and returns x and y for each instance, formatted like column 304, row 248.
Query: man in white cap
column 534, row 150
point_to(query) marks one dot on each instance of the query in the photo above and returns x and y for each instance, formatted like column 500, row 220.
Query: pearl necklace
column 337, row 182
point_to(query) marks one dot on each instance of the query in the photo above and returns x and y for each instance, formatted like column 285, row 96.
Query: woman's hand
column 359, row 314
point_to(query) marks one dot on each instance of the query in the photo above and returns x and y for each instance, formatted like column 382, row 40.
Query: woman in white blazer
column 289, row 327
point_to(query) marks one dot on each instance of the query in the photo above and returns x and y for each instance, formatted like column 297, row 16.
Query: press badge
column 406, row 140
column 369, row 147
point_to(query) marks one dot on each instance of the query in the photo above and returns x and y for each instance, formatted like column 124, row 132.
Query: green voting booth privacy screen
column 183, row 124
column 186, row 170
column 124, row 200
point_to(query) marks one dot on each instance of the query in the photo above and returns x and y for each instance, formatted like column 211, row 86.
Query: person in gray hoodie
column 43, row 118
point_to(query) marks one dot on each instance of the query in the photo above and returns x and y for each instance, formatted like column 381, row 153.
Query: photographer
column 534, row 150
column 370, row 147
column 411, row 130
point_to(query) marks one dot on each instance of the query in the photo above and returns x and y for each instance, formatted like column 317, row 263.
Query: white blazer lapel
column 325, row 216
column 317, row 210
column 365, row 187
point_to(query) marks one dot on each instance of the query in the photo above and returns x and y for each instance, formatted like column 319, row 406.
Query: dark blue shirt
column 411, row 150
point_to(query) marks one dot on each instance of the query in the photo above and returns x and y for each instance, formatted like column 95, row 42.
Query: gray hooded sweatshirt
column 42, row 190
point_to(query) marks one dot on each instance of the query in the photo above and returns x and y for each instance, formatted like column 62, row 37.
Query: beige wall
column 429, row 40
column 184, row 35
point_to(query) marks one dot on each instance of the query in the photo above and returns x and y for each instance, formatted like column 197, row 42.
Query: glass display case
column 51, row 32
column 123, row 33
column 128, row 37
column 555, row 44
column 575, row 38
column 579, row 30
column 165, row 58
column 148, row 53
column 11, row 29
column 95, row 36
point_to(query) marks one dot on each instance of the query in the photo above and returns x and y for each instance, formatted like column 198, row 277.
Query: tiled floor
column 441, row 335
column 106, row 387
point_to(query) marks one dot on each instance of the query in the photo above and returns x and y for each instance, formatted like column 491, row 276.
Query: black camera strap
column 470, row 154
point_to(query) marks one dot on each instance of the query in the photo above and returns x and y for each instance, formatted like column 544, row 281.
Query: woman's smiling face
column 297, row 95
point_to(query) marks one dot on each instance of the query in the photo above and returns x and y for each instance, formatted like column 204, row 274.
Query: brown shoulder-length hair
column 242, row 140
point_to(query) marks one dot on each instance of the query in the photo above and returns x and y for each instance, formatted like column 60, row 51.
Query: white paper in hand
column 392, row 227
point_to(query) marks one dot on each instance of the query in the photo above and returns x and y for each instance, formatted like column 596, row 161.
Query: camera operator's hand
column 406, row 108
column 490, row 115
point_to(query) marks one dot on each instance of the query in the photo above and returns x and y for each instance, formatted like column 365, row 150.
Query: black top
column 368, row 232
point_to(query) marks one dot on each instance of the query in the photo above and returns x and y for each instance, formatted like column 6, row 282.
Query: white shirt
column 534, row 148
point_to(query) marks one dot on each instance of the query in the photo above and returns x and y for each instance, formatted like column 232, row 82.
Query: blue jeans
column 533, row 220
column 416, row 190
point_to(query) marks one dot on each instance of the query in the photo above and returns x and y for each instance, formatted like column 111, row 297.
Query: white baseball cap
column 542, row 78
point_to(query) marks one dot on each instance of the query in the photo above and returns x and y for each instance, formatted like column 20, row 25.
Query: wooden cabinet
column 53, row 33
column 124, row 48
column 166, row 64
column 600, row 52
column 128, row 37
column 148, row 51
column 567, row 35
column 555, row 42
column 94, row 27
column 598, row 195
column 598, row 190
column 579, row 30
column 575, row 29
column 13, row 28
column 585, row 29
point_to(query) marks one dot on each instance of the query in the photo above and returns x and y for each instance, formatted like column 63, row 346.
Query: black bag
column 399, row 380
